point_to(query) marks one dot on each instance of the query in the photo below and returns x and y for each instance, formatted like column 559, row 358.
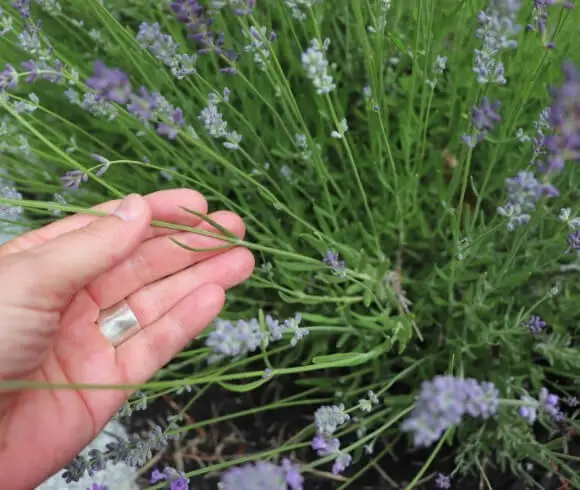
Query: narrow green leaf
column 212, row 222
column 193, row 249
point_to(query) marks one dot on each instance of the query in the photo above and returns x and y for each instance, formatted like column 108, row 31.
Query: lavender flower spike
column 574, row 240
column 442, row 481
column 73, row 179
column 261, row 475
column 535, row 324
column 329, row 417
column 443, row 402
column 8, row 78
column 564, row 118
column 484, row 118
column 177, row 480
column 110, row 83
column 332, row 260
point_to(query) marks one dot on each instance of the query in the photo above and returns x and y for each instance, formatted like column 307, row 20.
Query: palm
column 163, row 285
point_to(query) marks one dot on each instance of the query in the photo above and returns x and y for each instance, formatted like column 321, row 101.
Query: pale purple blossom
column 8, row 78
column 177, row 480
column 497, row 28
column 261, row 475
column 563, row 142
column 574, row 240
column 73, row 179
column 444, row 401
column 483, row 118
column 110, row 83
column 534, row 324
column 331, row 259
column 442, row 481
column 547, row 403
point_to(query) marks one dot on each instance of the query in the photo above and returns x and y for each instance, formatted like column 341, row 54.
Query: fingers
column 164, row 205
column 53, row 272
column 176, row 309
column 158, row 258
column 143, row 355
column 227, row 270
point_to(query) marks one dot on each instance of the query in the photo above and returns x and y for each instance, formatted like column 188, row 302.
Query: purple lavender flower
column 8, row 78
column 143, row 105
column 324, row 446
column 529, row 413
column 564, row 118
column 341, row 463
column 165, row 49
column 177, row 480
column 276, row 328
column 192, row 14
column 171, row 129
column 294, row 478
column 547, row 403
column 524, row 191
column 572, row 401
column 261, row 475
column 187, row 11
column 243, row 7
column 329, row 417
column 162, row 46
column 483, row 118
column 259, row 41
column 9, row 211
column 32, row 67
column 482, row 398
column 574, row 240
column 96, row 486
column 110, row 83
column 41, row 69
column 442, row 481
column 331, row 259
column 550, row 403
column 234, row 339
column 230, row 339
column 486, row 115
column 540, row 17
column 73, row 179
column 157, row 476
column 497, row 27
column 23, row 7
column 443, row 402
column 534, row 324
column 103, row 166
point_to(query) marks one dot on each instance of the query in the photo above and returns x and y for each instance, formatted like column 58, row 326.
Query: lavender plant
column 407, row 175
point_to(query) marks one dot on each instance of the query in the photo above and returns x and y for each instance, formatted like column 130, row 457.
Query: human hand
column 53, row 283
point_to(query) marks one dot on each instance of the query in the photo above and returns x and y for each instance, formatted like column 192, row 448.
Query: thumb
column 56, row 270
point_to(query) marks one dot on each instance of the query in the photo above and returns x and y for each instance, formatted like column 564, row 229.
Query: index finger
column 165, row 206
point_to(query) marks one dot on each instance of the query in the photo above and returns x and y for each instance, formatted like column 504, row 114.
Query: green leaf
column 341, row 359
column 243, row 388
column 367, row 297
column 299, row 266
column 212, row 222
column 354, row 288
column 303, row 299
column 193, row 249
column 403, row 333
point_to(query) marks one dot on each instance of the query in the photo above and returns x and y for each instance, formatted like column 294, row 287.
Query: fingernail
column 130, row 208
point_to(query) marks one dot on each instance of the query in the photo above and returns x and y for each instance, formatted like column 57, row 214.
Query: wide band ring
column 118, row 323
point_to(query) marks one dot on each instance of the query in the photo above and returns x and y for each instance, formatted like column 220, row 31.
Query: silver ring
column 118, row 323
